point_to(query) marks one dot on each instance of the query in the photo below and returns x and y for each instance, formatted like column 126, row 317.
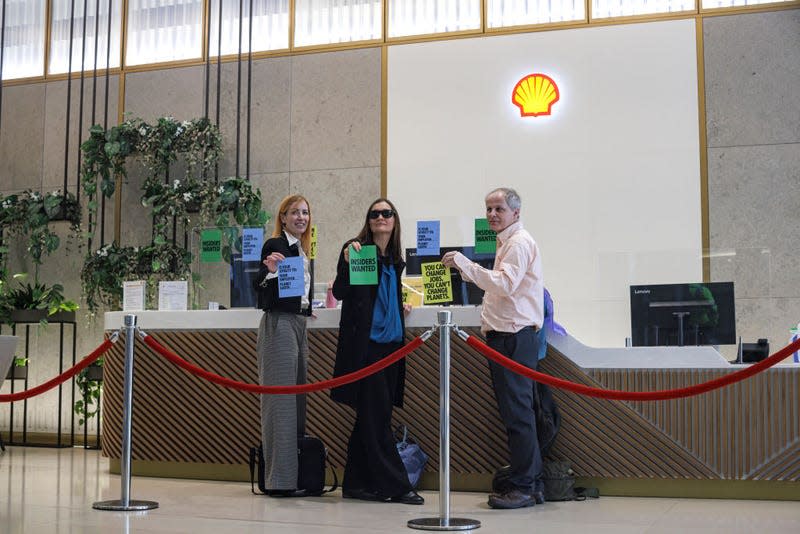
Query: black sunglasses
column 387, row 214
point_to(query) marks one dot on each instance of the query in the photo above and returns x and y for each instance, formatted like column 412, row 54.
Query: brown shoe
column 511, row 499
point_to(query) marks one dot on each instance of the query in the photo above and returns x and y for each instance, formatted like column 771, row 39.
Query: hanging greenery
column 173, row 201
column 104, row 271
column 30, row 215
column 158, row 146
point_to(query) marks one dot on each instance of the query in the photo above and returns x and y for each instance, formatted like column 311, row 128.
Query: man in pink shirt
column 512, row 314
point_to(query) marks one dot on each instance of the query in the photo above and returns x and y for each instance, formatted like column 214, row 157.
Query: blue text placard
column 427, row 238
column 252, row 241
column 291, row 282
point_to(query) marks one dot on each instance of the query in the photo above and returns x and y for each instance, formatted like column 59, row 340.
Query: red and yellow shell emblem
column 535, row 95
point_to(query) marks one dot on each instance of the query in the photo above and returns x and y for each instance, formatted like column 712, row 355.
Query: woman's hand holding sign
column 356, row 246
column 273, row 260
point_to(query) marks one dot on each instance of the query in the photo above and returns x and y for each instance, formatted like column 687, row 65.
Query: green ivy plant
column 30, row 214
column 88, row 405
column 227, row 203
column 158, row 145
column 104, row 271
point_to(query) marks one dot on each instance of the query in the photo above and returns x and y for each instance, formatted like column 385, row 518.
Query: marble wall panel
column 339, row 200
column 174, row 92
column 22, row 137
column 55, row 134
column 752, row 74
column 749, row 268
column 753, row 206
column 274, row 187
column 336, row 110
column 269, row 115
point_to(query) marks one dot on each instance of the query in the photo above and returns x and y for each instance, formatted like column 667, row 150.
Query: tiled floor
column 52, row 491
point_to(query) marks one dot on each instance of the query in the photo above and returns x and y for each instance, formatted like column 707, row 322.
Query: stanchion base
column 118, row 506
column 439, row 523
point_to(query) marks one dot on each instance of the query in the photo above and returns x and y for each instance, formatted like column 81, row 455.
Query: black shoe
column 511, row 499
column 538, row 496
column 409, row 497
column 362, row 495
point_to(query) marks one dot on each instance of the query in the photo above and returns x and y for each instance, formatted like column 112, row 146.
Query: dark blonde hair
column 286, row 203
column 395, row 247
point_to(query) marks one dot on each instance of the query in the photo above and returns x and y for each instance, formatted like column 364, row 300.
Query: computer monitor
column 463, row 292
column 683, row 314
column 243, row 274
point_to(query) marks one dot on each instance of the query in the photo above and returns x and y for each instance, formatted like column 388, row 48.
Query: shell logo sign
column 535, row 95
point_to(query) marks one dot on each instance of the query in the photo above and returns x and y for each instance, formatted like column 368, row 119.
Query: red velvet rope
column 284, row 390
column 63, row 377
column 589, row 391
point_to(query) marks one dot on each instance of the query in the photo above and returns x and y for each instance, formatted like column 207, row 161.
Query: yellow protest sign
column 412, row 291
column 437, row 284
column 312, row 253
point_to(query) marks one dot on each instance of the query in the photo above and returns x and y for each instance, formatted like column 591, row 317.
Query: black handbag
column 311, row 462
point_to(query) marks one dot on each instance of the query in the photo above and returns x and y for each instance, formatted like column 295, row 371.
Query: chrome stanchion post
column 125, row 503
column 444, row 521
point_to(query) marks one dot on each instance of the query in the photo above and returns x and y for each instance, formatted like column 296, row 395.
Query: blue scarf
column 386, row 324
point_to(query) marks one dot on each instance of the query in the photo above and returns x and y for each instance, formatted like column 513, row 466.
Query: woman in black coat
column 371, row 327
column 283, row 346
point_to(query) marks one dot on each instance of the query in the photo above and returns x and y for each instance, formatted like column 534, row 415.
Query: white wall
column 610, row 181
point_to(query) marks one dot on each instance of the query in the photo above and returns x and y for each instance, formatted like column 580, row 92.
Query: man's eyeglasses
column 387, row 214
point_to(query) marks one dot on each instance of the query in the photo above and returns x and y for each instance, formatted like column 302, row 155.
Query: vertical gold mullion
column 703, row 151
column 292, row 10
column 123, row 36
column 385, row 18
column 588, row 15
column 48, row 24
column 484, row 14
column 384, row 116
column 205, row 45
column 123, row 48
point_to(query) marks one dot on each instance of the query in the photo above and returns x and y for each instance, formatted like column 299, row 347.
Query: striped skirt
column 282, row 353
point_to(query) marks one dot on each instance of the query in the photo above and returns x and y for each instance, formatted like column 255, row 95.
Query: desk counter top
column 463, row 316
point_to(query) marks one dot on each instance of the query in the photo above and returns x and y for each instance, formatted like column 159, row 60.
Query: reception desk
column 740, row 441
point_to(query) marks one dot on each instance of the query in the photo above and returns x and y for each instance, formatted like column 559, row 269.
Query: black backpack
column 559, row 483
column 311, row 462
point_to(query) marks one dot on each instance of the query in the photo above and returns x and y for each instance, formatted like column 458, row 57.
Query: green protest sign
column 485, row 238
column 364, row 266
column 211, row 246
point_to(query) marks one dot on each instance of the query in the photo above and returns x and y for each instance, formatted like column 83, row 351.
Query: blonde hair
column 286, row 203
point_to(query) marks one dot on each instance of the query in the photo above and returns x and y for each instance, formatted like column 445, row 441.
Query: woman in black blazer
column 371, row 327
column 283, row 346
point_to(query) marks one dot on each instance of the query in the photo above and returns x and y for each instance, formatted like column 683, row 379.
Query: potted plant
column 34, row 303
column 18, row 370
column 31, row 213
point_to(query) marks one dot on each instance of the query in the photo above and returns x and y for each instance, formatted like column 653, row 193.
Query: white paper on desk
column 173, row 296
column 133, row 295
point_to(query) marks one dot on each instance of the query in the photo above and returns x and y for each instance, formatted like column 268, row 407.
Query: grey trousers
column 282, row 353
